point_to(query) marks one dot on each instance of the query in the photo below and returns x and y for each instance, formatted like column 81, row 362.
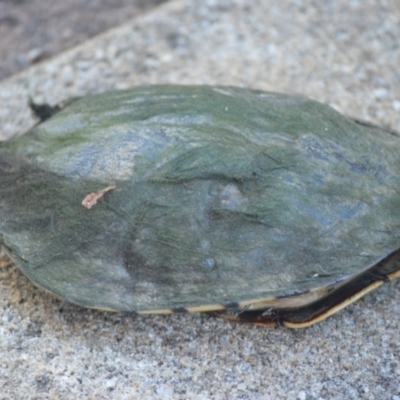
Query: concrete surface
column 345, row 53
column 34, row 30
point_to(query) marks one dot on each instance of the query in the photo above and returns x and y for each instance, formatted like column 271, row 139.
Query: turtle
column 262, row 207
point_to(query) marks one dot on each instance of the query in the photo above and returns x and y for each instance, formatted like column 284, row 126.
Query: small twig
column 91, row 199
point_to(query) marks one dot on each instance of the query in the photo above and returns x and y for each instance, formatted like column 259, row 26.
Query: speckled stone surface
column 345, row 53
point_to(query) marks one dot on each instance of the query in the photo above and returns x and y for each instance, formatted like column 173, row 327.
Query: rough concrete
column 345, row 53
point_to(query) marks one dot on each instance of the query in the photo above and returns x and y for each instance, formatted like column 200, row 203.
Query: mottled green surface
column 223, row 195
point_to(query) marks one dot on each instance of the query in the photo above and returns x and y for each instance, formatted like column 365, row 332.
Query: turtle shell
column 196, row 198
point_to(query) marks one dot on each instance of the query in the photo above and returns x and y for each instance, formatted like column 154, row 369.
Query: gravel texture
column 33, row 30
column 345, row 53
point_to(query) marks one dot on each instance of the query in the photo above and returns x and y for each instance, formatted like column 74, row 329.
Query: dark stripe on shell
column 307, row 315
column 179, row 310
column 232, row 306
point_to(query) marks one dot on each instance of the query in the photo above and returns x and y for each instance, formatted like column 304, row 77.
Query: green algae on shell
column 276, row 207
